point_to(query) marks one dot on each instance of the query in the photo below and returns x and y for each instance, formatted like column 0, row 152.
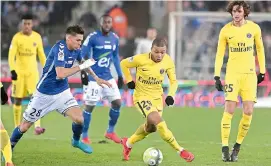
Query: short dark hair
column 243, row 4
column 105, row 15
column 27, row 16
column 74, row 30
column 159, row 42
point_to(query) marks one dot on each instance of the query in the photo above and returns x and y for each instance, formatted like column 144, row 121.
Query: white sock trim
column 128, row 144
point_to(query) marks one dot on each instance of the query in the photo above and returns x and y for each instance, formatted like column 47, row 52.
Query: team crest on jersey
column 34, row 44
column 249, row 35
column 162, row 71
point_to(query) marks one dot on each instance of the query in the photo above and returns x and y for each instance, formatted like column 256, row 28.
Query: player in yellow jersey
column 5, row 142
column 24, row 48
column 150, row 71
column 240, row 35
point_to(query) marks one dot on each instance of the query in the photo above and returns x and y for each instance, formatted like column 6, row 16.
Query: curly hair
column 243, row 4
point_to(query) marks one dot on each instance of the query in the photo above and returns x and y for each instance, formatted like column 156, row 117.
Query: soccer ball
column 152, row 157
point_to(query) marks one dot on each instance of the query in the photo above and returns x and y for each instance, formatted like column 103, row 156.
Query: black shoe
column 225, row 154
column 234, row 152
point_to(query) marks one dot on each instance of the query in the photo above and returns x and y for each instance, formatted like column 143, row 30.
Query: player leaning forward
column 150, row 70
column 241, row 78
column 53, row 91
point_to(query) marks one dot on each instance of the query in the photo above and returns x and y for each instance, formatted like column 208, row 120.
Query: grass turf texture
column 197, row 129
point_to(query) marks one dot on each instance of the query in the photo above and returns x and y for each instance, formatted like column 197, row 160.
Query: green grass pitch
column 197, row 129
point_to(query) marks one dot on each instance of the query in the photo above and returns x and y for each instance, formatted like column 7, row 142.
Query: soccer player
column 240, row 35
column 5, row 142
column 22, row 58
column 53, row 91
column 104, row 47
column 150, row 71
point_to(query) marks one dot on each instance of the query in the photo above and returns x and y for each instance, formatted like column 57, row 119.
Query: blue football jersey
column 103, row 49
column 59, row 56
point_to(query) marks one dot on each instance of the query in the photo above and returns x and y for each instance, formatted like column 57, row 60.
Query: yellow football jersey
column 240, row 41
column 23, row 52
column 150, row 75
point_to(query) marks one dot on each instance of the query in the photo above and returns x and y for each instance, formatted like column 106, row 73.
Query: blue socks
column 77, row 131
column 15, row 137
column 87, row 120
column 114, row 116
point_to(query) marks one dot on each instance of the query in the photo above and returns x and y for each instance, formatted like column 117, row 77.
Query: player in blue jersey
column 103, row 46
column 53, row 91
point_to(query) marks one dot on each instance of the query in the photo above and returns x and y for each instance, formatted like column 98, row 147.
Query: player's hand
column 4, row 96
column 84, row 77
column 102, row 82
column 169, row 100
column 13, row 75
column 131, row 85
column 260, row 77
column 86, row 64
column 120, row 82
column 218, row 84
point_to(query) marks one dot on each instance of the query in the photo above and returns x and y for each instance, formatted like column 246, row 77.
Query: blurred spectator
column 144, row 45
column 120, row 20
column 88, row 20
column 129, row 46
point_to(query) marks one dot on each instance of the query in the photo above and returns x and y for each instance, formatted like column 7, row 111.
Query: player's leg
column 17, row 111
column 77, row 127
column 68, row 106
column 5, row 145
column 231, row 93
column 248, row 94
column 19, row 131
column 154, row 118
column 87, row 114
column 31, row 83
column 92, row 94
column 114, row 114
column 39, row 106
column 18, row 91
column 113, row 96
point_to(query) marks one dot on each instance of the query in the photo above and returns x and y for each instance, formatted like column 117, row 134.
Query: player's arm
column 11, row 57
column 40, row 51
column 172, row 79
column 86, row 49
column 63, row 72
column 125, row 65
column 116, row 61
column 4, row 96
column 86, row 53
column 128, row 63
column 173, row 83
column 221, row 47
column 260, row 53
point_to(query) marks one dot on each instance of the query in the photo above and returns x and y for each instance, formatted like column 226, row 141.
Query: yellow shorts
column 243, row 85
column 25, row 84
column 147, row 105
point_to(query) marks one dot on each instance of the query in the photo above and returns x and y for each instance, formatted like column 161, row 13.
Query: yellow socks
column 167, row 136
column 139, row 135
column 37, row 123
column 226, row 128
column 17, row 111
column 243, row 128
column 6, row 146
